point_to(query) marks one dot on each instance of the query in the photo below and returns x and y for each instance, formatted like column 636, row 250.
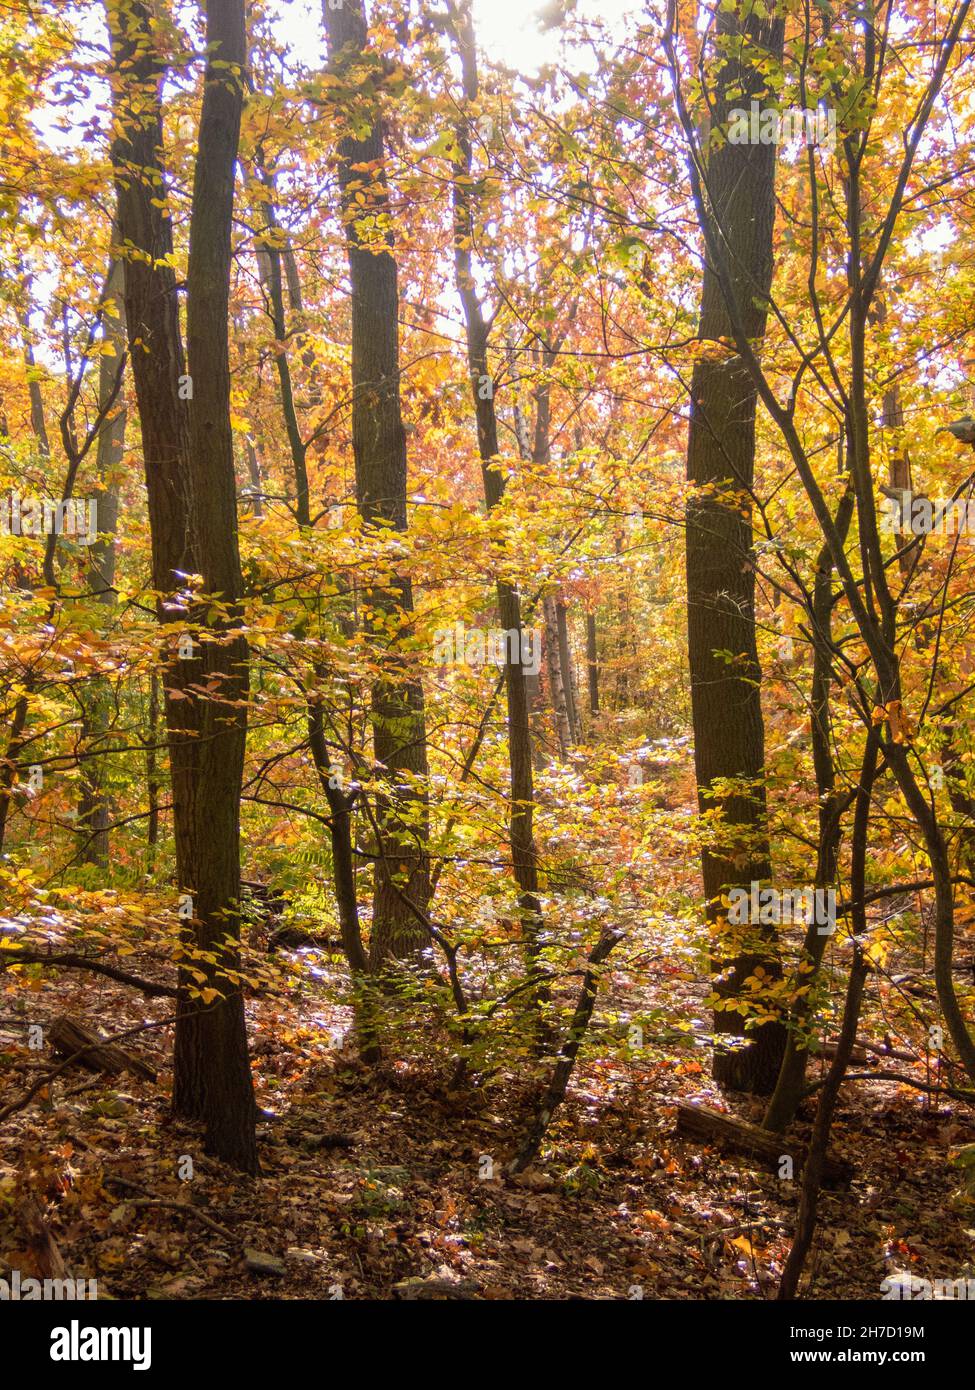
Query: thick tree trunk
column 379, row 446
column 212, row 1079
column 729, row 737
column 211, row 1073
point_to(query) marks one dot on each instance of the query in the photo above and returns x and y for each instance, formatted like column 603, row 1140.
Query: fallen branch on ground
column 69, row 960
column 714, row 1127
column 69, row 1038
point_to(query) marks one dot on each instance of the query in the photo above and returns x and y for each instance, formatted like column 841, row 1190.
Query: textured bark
column 592, row 663
column 556, row 683
column 714, row 1127
column 69, row 1038
column 94, row 809
column 568, row 673
column 379, row 445
column 212, row 1079
column 729, row 739
column 211, row 1072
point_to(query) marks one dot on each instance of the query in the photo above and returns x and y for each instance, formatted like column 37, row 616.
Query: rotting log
column 714, row 1127
column 69, row 1037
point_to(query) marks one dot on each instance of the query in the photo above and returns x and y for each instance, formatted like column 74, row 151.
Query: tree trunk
column 592, row 663
column 212, row 1079
column 211, row 1072
column 568, row 675
column 788, row 1087
column 556, row 682
column 379, row 446
column 521, row 834
column 813, row 1172
column 94, row 810
column 729, row 739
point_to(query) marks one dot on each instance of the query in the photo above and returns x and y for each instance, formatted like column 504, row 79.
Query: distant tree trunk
column 152, row 774
column 379, row 446
column 34, row 396
column 729, row 739
column 18, row 722
column 521, row 835
column 592, row 663
column 568, row 674
column 271, row 256
column 211, row 1072
column 557, row 672
column 256, row 481
column 556, row 683
column 94, row 810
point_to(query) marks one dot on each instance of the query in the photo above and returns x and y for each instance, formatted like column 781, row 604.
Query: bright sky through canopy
column 509, row 31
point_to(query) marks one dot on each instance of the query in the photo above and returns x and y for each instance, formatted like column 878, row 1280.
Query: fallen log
column 69, row 1037
column 292, row 938
column 713, row 1127
column 413, row 1289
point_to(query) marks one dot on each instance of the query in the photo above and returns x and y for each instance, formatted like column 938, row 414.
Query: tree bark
column 556, row 682
column 94, row 810
column 592, row 663
column 379, row 446
column 568, row 674
column 212, row 1079
column 729, row 740
column 206, row 736
column 788, row 1087
column 521, row 835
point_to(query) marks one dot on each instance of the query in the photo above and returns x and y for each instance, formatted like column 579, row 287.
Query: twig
column 173, row 1205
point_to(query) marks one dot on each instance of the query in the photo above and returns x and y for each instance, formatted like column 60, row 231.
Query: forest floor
column 375, row 1177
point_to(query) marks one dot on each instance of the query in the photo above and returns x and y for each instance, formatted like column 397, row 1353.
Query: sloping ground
column 371, row 1179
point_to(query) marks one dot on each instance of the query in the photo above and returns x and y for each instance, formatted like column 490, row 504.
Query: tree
column 379, row 443
column 188, row 459
column 729, row 741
